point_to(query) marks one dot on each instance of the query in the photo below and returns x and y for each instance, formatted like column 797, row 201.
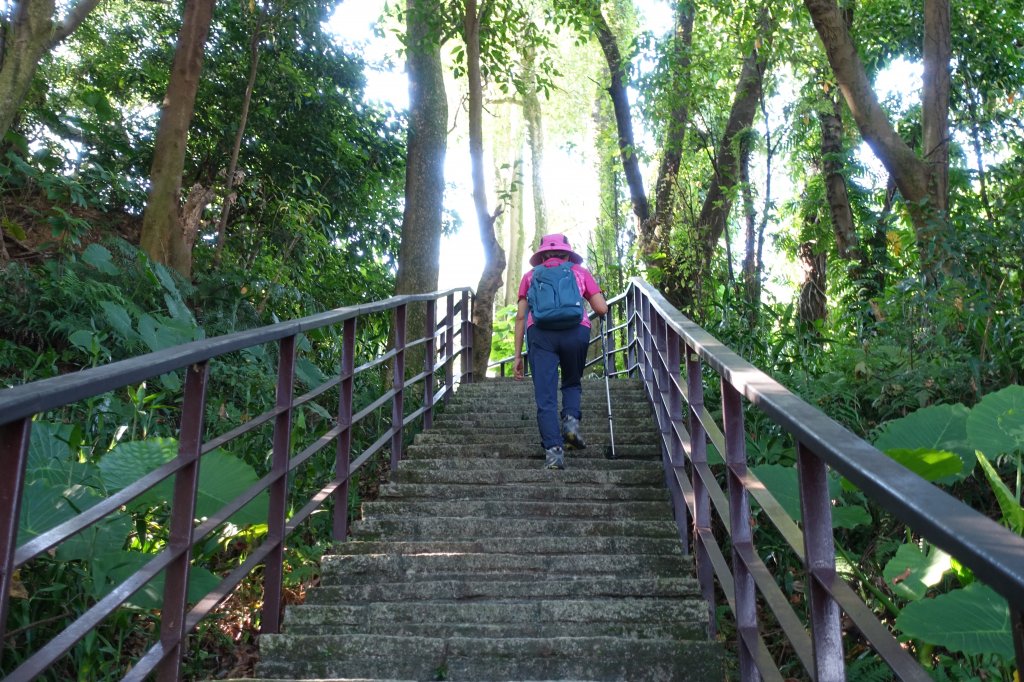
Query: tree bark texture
column 935, row 99
column 847, row 242
column 535, row 138
column 813, row 304
column 913, row 177
column 419, row 249
column 623, row 117
column 494, row 255
column 31, row 33
column 751, row 256
column 654, row 234
column 163, row 237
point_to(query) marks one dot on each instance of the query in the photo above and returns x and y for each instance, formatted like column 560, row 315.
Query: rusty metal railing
column 444, row 342
column 662, row 342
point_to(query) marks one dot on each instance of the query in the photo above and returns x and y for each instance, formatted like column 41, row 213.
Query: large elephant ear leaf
column 129, row 461
column 912, row 571
column 1013, row 512
column 935, row 428
column 996, row 424
column 222, row 478
column 974, row 621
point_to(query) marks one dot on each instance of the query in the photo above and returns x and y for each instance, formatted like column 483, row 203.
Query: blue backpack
column 554, row 297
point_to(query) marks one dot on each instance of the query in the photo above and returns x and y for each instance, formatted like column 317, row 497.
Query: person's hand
column 519, row 368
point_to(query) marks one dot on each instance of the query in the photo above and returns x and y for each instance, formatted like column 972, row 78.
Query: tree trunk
column 494, row 255
column 654, row 234
column 623, row 117
column 714, row 214
column 914, row 177
column 847, row 242
column 935, row 99
column 516, row 230
column 31, row 34
column 751, row 257
column 427, row 142
column 813, row 300
column 162, row 236
column 535, row 137
column 243, row 119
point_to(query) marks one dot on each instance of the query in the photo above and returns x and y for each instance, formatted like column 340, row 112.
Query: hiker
column 555, row 319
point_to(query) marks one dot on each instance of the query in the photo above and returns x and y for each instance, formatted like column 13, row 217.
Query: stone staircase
column 477, row 564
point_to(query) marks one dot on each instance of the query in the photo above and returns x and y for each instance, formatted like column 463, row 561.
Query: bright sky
column 571, row 182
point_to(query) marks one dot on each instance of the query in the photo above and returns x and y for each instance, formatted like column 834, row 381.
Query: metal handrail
column 662, row 343
column 20, row 404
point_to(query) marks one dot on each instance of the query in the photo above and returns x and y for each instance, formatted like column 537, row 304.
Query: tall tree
column 922, row 181
column 29, row 31
column 419, row 252
column 494, row 255
column 166, row 236
column 535, row 138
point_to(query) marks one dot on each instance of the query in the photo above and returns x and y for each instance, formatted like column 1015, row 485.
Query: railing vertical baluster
column 398, row 382
column 428, row 365
column 646, row 365
column 740, row 530
column 344, row 452
column 676, row 458
column 467, row 340
column 449, row 349
column 183, row 512
column 631, row 330
column 609, row 341
column 701, row 497
column 819, row 550
column 273, row 570
column 14, row 442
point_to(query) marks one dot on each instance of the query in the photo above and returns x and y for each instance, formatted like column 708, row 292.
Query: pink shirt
column 585, row 280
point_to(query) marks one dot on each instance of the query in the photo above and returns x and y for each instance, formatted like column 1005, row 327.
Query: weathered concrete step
column 515, row 510
column 638, row 415
column 353, row 568
column 576, row 474
column 481, row 588
column 527, row 545
column 464, row 658
column 551, row 587
column 475, row 434
column 639, row 618
column 468, row 528
column 525, row 449
column 518, row 465
column 559, row 492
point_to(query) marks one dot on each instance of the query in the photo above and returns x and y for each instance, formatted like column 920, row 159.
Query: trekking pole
column 607, row 389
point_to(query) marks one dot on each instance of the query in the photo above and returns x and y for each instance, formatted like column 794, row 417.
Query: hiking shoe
column 554, row 458
column 571, row 433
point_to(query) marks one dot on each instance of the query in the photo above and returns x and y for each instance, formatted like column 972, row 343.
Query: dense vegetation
column 907, row 319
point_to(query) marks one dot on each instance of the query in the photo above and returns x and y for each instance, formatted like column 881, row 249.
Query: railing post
column 398, row 382
column 701, row 497
column 449, row 349
column 273, row 567
column 646, row 364
column 631, row 329
column 14, row 443
column 344, row 452
column 820, row 553
column 676, row 458
column 183, row 513
column 467, row 340
column 740, row 530
column 428, row 365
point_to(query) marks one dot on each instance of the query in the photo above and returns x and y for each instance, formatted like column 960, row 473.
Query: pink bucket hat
column 550, row 243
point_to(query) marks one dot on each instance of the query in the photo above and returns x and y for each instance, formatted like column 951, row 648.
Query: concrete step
column 578, row 473
column 514, row 510
column 477, row 658
column 636, row 618
column 551, row 587
column 468, row 528
column 523, row 545
column 526, row 448
column 453, row 493
column 362, row 568
column 469, row 434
